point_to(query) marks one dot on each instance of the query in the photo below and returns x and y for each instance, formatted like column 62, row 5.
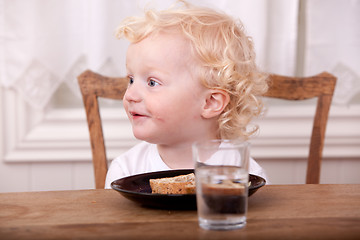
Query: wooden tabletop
column 275, row 212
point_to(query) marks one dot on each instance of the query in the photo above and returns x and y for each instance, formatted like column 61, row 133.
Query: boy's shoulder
column 133, row 161
column 142, row 146
column 143, row 157
column 139, row 150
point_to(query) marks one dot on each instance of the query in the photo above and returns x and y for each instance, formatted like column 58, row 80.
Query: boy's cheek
column 126, row 109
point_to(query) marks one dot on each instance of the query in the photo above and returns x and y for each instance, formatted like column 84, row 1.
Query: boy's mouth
column 135, row 114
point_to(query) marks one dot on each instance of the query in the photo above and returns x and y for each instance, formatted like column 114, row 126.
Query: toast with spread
column 183, row 184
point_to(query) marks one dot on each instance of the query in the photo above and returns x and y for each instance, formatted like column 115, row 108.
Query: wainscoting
column 49, row 149
column 42, row 176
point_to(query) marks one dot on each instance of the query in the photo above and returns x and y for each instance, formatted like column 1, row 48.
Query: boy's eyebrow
column 127, row 67
column 127, row 70
column 149, row 69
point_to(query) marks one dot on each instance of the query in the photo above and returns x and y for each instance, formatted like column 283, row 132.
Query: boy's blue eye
column 152, row 83
column 131, row 80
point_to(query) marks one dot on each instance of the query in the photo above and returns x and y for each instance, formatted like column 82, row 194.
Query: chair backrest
column 322, row 86
column 92, row 86
column 294, row 88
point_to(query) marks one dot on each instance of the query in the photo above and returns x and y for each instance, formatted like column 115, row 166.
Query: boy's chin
column 148, row 139
column 144, row 138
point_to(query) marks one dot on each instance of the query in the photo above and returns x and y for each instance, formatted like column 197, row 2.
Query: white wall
column 52, row 152
column 15, row 177
column 48, row 148
column 69, row 176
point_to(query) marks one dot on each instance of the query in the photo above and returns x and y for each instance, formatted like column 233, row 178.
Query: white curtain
column 46, row 43
column 332, row 40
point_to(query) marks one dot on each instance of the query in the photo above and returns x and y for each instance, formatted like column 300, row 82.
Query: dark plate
column 137, row 189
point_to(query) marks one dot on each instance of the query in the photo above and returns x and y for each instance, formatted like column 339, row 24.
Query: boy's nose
column 132, row 94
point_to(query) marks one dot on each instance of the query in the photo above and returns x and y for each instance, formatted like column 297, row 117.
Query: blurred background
column 45, row 45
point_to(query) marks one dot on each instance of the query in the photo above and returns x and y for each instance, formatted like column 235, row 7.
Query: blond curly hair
column 225, row 53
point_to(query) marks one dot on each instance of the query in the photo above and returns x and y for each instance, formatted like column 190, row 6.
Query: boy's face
column 164, row 98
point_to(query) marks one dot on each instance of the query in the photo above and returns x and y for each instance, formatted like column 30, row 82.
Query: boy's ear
column 216, row 101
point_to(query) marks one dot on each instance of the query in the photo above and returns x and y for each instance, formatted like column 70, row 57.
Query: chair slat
column 322, row 86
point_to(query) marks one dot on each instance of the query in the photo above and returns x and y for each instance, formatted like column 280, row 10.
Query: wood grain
column 93, row 86
column 320, row 86
column 308, row 211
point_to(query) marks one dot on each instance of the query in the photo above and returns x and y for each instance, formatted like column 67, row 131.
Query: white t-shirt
column 144, row 157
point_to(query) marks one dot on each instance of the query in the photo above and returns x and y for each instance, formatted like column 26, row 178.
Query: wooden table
column 275, row 212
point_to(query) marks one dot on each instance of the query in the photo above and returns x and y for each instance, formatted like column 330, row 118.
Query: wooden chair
column 321, row 86
column 93, row 85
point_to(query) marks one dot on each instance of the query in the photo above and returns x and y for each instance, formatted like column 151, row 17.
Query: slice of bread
column 183, row 184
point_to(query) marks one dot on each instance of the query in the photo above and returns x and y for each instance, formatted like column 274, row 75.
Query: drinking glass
column 221, row 170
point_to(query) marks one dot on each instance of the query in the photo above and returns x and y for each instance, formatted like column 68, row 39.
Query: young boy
column 192, row 77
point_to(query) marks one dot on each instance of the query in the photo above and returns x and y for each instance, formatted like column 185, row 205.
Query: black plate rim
column 178, row 171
